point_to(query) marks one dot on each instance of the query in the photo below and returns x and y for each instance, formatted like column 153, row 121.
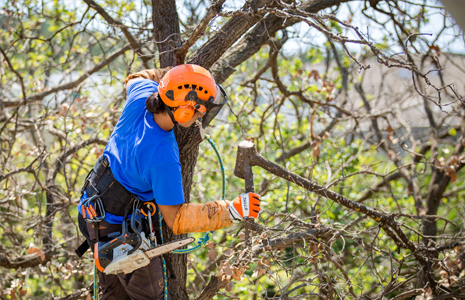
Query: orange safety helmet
column 189, row 88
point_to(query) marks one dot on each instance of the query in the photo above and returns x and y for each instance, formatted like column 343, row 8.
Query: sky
column 304, row 35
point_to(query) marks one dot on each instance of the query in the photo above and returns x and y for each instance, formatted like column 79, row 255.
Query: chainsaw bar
column 168, row 247
column 124, row 263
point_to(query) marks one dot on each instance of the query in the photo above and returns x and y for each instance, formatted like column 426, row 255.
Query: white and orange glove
column 213, row 215
column 244, row 206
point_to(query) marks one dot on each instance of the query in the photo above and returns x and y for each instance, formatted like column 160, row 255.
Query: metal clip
column 151, row 209
column 93, row 210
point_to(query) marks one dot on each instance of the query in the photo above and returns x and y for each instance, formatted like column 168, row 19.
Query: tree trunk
column 167, row 35
column 188, row 142
column 166, row 30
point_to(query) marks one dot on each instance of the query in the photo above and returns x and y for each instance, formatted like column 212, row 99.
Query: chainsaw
column 132, row 250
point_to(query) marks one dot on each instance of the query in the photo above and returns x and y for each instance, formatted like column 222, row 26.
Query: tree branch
column 215, row 284
column 212, row 12
column 258, row 36
column 72, row 84
column 236, row 26
column 115, row 23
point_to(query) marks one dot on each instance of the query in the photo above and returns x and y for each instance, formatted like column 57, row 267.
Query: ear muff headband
column 181, row 115
column 184, row 113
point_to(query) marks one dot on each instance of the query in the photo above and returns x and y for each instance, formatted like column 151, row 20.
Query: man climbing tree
column 358, row 118
column 140, row 166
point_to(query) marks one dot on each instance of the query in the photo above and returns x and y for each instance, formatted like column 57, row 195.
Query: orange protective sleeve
column 198, row 217
column 152, row 74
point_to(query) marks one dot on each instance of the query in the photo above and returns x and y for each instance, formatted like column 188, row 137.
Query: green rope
column 203, row 241
column 165, row 278
column 220, row 161
column 95, row 282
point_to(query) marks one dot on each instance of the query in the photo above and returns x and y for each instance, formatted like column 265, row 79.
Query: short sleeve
column 166, row 183
column 140, row 89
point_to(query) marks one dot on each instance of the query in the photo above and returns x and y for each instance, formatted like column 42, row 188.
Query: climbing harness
column 93, row 210
column 102, row 193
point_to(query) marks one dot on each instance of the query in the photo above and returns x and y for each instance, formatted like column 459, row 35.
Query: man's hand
column 245, row 205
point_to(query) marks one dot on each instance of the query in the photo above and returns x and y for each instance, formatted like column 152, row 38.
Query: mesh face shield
column 213, row 108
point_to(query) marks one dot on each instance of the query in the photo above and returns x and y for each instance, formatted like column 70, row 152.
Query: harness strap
column 96, row 234
column 82, row 249
column 170, row 113
column 102, row 193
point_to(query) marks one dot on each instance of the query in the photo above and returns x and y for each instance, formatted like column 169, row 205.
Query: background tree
column 359, row 104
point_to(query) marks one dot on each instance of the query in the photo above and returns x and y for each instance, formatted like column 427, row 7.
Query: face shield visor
column 213, row 108
column 208, row 109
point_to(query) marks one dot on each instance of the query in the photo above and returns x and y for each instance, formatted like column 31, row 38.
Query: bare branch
column 132, row 41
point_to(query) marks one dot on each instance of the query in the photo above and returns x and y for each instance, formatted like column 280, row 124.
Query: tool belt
column 105, row 194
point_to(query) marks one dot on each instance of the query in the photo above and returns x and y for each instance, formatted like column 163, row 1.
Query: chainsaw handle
column 136, row 221
column 136, row 225
column 125, row 238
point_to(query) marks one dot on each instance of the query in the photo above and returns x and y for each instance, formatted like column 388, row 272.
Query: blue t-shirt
column 143, row 157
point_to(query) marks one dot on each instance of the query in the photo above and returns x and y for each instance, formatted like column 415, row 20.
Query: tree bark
column 166, row 30
column 188, row 140
column 167, row 35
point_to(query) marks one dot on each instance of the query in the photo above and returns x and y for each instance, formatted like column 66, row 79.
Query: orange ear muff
column 202, row 109
column 184, row 113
